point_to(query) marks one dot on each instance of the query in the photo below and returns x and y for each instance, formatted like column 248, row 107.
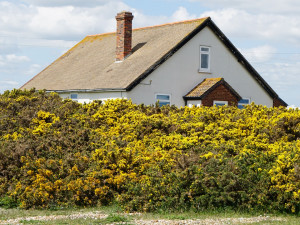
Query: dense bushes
column 61, row 153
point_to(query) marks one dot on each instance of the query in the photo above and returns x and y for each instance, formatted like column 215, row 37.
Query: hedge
column 59, row 153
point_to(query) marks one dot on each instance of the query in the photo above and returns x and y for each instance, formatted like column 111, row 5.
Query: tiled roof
column 203, row 87
column 206, row 86
column 91, row 63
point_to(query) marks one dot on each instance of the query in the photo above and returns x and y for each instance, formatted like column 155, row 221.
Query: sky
column 33, row 33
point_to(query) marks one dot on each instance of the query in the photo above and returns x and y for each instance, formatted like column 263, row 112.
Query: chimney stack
column 124, row 35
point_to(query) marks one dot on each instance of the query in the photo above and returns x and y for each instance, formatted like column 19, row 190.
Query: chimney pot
column 124, row 35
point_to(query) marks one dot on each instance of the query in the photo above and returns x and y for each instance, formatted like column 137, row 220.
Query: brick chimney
column 124, row 35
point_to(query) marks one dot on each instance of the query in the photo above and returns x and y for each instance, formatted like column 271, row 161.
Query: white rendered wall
column 86, row 97
column 180, row 73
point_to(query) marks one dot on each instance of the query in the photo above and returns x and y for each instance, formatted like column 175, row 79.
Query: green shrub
column 8, row 202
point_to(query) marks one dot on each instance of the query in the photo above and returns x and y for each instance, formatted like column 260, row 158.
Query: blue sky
column 33, row 33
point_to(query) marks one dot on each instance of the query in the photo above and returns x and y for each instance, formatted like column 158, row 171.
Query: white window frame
column 196, row 103
column 163, row 101
column 200, row 58
column 243, row 104
column 220, row 102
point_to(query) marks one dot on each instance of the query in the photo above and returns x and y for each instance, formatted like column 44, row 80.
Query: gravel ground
column 100, row 215
column 94, row 215
column 207, row 221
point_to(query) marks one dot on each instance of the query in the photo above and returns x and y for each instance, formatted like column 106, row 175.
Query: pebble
column 100, row 215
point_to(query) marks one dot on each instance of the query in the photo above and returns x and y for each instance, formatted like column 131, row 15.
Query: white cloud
column 142, row 20
column 14, row 18
column 7, row 45
column 282, row 76
column 12, row 58
column 33, row 70
column 182, row 14
column 240, row 23
column 259, row 54
column 265, row 6
column 82, row 3
column 67, row 22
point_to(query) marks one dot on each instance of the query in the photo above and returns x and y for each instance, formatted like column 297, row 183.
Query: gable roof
column 206, row 87
column 90, row 65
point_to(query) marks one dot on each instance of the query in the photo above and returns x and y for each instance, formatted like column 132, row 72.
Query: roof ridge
column 214, row 78
column 91, row 35
column 172, row 23
column 159, row 25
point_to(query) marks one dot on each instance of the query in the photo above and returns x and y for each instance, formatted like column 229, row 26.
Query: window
column 192, row 105
column 163, row 99
column 204, row 59
column 74, row 97
column 220, row 103
column 196, row 103
column 243, row 102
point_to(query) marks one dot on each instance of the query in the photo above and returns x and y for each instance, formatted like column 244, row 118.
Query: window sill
column 201, row 71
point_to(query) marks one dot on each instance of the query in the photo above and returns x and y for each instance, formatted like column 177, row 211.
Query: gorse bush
column 61, row 153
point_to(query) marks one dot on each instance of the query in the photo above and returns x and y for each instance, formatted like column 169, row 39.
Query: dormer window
column 204, row 59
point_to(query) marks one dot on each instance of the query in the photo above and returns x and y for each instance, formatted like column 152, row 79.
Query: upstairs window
column 163, row 99
column 204, row 59
column 243, row 102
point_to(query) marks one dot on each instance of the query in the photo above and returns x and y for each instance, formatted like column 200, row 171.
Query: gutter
column 89, row 90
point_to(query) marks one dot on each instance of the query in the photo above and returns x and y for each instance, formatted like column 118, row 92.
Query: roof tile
column 203, row 87
column 90, row 65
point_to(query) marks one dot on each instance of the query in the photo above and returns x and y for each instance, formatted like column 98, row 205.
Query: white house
column 184, row 63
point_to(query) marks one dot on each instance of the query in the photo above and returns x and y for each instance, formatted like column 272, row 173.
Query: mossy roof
column 90, row 65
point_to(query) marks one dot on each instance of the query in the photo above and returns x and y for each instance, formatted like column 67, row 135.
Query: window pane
column 244, row 101
column 73, row 96
column 163, row 97
column 163, row 103
column 241, row 106
column 204, row 61
column 219, row 104
column 204, row 49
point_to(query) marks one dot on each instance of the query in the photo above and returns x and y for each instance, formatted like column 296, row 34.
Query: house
column 183, row 63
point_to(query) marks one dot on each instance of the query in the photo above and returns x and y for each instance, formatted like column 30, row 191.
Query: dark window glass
column 204, row 61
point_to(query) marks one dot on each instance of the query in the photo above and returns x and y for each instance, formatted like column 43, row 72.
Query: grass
column 112, row 218
column 114, row 215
